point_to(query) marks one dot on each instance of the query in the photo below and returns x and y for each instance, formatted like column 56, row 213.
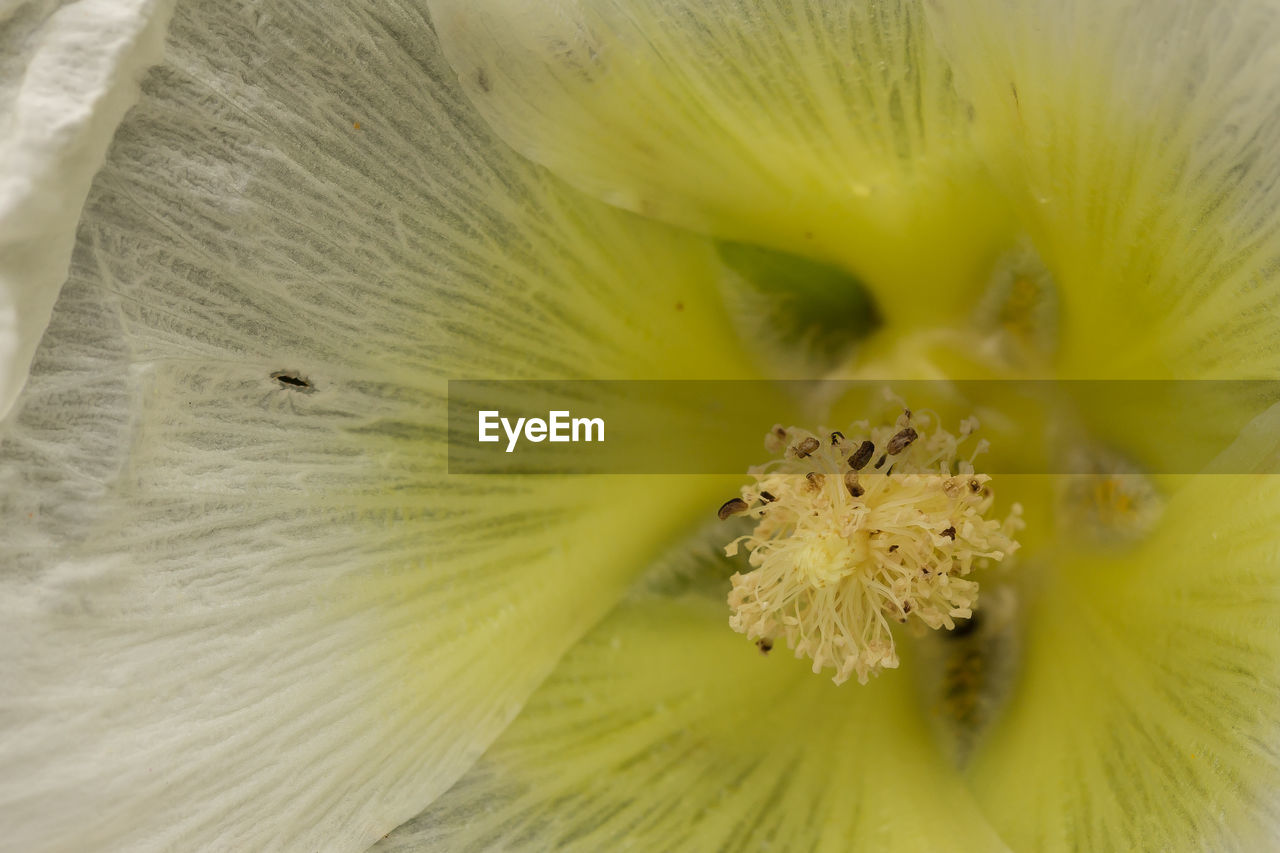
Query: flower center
column 855, row 533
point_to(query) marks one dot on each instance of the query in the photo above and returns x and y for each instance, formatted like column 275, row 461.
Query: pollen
column 841, row 553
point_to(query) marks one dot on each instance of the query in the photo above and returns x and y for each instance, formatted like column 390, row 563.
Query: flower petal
column 827, row 130
column 664, row 730
column 68, row 73
column 246, row 606
column 1147, row 710
column 1142, row 144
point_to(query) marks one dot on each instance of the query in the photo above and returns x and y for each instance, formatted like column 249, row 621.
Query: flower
column 247, row 607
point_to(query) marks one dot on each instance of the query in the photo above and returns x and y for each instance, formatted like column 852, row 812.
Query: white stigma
column 855, row 533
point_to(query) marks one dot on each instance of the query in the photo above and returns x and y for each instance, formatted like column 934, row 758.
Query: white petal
column 244, row 615
column 68, row 73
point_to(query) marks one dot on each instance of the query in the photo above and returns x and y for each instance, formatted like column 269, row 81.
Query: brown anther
column 906, row 607
column 815, row 479
column 767, row 496
column 806, row 447
column 950, row 532
column 901, row 441
column 862, row 455
column 731, row 508
column 892, row 548
column 836, row 438
column 851, row 483
column 880, row 461
column 975, row 486
column 765, row 645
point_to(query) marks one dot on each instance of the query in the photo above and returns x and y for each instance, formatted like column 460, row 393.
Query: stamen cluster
column 855, row 533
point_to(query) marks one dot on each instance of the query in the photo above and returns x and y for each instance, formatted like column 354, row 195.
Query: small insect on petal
column 732, row 507
column 862, row 455
column 292, row 379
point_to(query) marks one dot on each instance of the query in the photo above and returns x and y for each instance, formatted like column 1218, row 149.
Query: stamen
column 736, row 506
column 805, row 447
column 862, row 455
column 901, row 441
column 835, row 559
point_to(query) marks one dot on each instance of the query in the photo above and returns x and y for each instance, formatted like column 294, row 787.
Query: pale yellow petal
column 830, row 130
column 1146, row 710
column 1141, row 143
column 664, row 730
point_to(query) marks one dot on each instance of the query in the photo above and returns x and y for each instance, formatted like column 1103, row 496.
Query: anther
column 901, row 441
column 736, row 506
column 862, row 455
column 851, row 483
column 806, row 447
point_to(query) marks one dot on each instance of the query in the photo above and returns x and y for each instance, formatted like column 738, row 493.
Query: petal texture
column 68, row 73
column 824, row 129
column 1141, row 142
column 663, row 730
column 1146, row 714
column 246, row 607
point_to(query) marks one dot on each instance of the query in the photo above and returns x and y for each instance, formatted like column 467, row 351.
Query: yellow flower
column 247, row 607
